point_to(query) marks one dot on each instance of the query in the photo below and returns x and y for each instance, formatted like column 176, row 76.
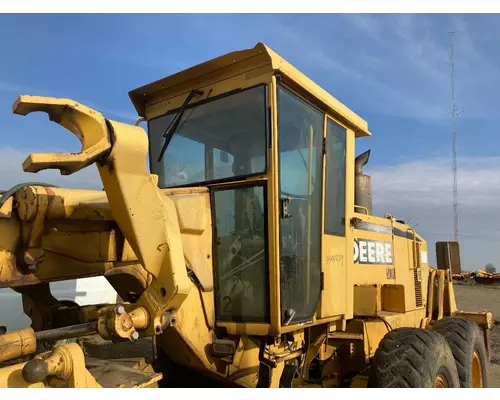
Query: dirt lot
column 484, row 298
column 468, row 297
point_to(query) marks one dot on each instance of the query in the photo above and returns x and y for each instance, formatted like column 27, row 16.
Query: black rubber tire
column 413, row 358
column 464, row 337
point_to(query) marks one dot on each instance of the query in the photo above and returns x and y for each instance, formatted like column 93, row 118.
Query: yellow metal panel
column 246, row 373
column 192, row 211
column 195, row 225
column 375, row 330
column 74, row 204
column 367, row 300
column 408, row 319
column 92, row 246
column 250, row 328
column 193, row 320
column 333, row 296
column 393, row 298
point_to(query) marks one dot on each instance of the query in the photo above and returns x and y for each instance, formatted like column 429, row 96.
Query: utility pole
column 454, row 113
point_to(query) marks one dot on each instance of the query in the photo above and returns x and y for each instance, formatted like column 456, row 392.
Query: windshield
column 218, row 139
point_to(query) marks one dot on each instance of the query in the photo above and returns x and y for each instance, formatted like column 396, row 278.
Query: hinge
column 284, row 202
column 322, row 281
column 324, row 145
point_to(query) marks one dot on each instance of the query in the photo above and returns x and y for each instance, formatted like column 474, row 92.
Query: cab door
column 300, row 140
column 334, row 249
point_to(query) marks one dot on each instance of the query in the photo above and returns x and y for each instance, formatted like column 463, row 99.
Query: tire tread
column 408, row 357
column 464, row 336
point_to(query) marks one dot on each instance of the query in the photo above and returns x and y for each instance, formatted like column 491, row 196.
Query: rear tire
column 466, row 341
column 413, row 358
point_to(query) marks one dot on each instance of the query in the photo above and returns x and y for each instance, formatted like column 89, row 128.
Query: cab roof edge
column 140, row 95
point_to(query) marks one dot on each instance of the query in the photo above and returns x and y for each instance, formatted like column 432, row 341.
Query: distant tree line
column 490, row 268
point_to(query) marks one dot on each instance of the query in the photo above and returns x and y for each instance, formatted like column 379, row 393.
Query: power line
column 454, row 113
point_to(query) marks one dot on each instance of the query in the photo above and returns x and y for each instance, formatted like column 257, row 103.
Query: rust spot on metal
column 60, row 360
column 127, row 322
column 110, row 164
column 50, row 196
column 24, row 280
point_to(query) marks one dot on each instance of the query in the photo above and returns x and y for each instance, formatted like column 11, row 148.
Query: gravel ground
column 484, row 298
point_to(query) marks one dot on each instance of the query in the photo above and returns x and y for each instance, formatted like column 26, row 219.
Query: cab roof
column 140, row 96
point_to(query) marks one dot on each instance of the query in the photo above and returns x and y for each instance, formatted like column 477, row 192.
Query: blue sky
column 391, row 69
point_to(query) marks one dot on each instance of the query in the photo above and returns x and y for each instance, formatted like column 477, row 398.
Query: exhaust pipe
column 362, row 184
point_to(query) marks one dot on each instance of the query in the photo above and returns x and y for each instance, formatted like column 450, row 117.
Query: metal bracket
column 86, row 124
column 284, row 202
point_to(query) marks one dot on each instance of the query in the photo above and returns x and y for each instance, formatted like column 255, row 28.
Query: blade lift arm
column 147, row 218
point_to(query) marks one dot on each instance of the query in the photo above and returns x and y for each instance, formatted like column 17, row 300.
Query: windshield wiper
column 172, row 127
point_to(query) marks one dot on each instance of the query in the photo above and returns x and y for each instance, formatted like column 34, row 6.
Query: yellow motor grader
column 238, row 232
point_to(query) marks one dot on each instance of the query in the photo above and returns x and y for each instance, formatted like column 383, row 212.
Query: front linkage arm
column 147, row 218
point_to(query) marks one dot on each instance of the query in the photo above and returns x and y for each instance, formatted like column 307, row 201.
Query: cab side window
column 335, row 179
